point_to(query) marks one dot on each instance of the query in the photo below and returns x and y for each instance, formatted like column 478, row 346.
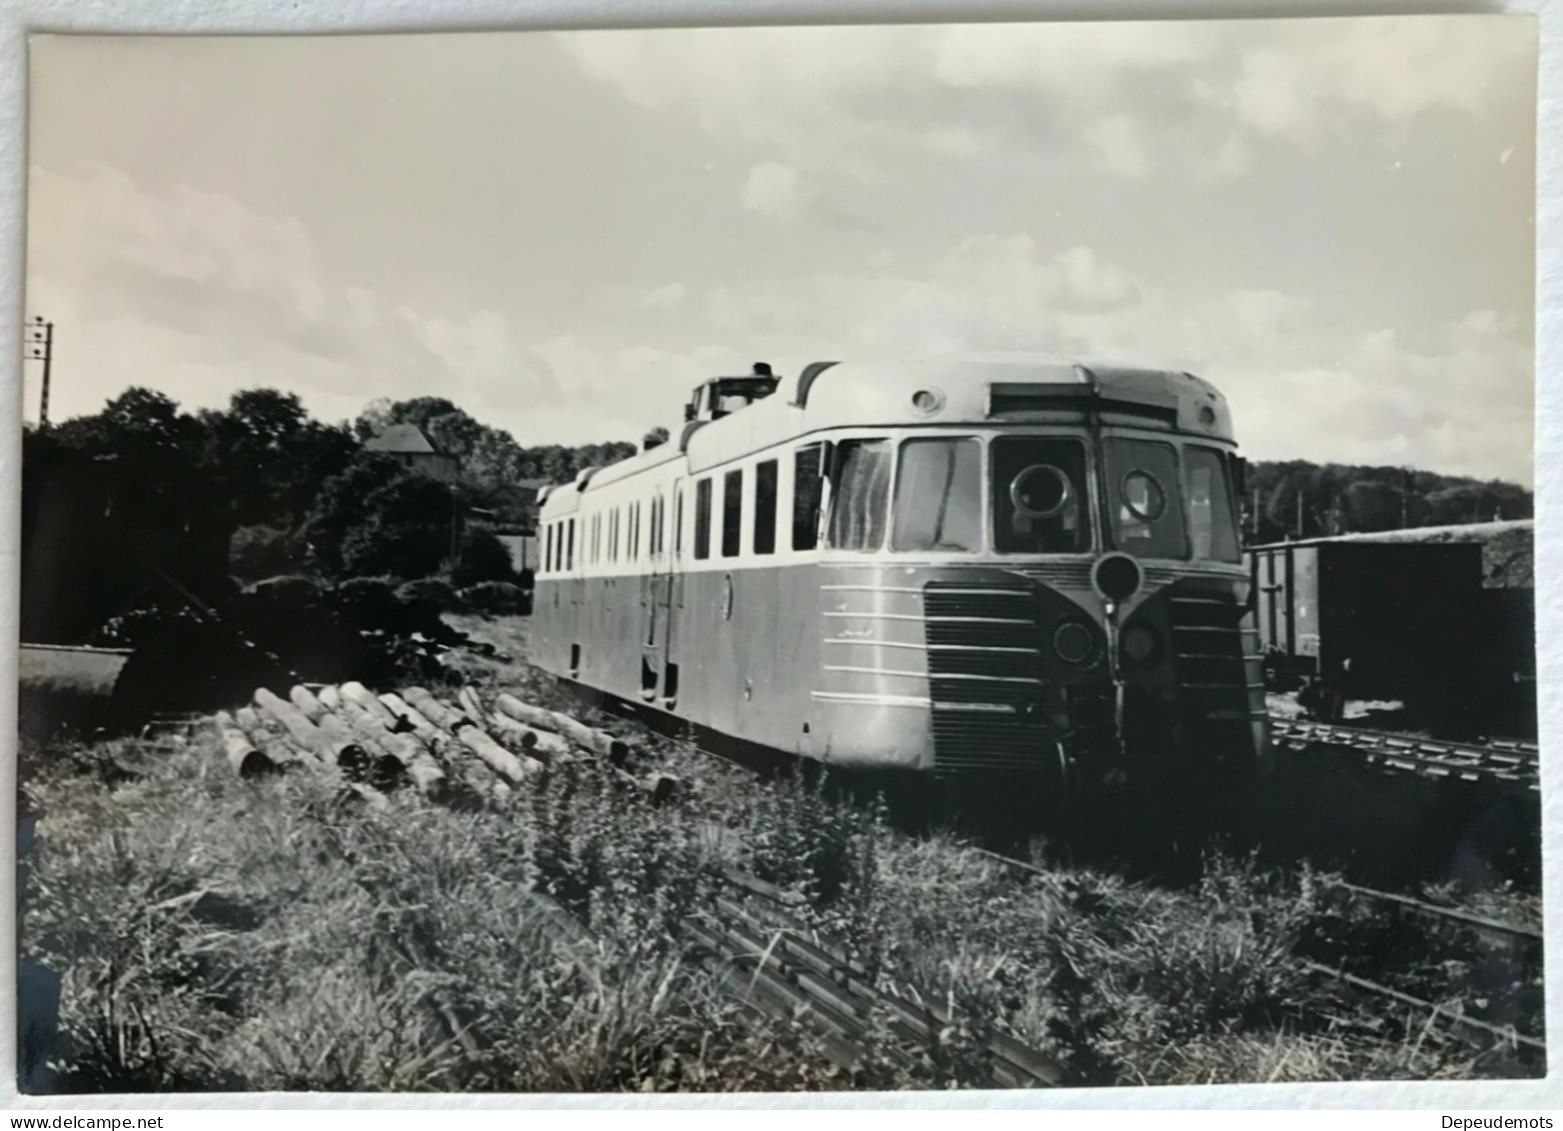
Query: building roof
column 403, row 439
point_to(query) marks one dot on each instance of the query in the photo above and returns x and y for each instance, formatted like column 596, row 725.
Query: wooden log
column 386, row 771
column 416, row 764
column 355, row 692
column 308, row 702
column 329, row 697
column 550, row 748
column 661, row 787
column 616, row 750
column 470, row 703
column 333, row 749
column 246, row 760
column 457, row 758
column 507, row 765
column 275, row 746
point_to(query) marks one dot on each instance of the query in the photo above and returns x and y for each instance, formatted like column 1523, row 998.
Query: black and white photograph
column 814, row 559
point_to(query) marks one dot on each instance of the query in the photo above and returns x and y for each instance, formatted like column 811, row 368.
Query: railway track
column 1454, row 1014
column 1499, row 761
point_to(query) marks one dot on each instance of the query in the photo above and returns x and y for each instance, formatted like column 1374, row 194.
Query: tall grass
column 212, row 933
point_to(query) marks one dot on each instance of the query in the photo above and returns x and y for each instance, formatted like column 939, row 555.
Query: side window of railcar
column 1143, row 498
column 1212, row 521
column 569, row 544
column 938, row 495
column 765, row 507
column 732, row 512
column 807, row 491
column 1039, row 495
column 548, row 548
column 678, row 523
column 861, row 495
column 703, row 519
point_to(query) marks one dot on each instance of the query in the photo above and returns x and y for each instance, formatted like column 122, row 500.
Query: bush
column 497, row 598
column 433, row 592
column 292, row 590
column 266, row 551
column 481, row 557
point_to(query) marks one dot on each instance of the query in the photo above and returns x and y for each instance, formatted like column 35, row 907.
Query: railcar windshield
column 1143, row 498
column 938, row 495
column 862, row 492
column 1040, row 504
column 1212, row 517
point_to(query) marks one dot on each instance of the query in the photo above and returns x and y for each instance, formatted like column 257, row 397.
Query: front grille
column 1061, row 575
column 984, row 670
column 1208, row 644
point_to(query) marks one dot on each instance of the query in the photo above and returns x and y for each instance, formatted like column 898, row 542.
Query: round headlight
column 927, row 401
column 1117, row 576
column 1140, row 643
column 1073, row 642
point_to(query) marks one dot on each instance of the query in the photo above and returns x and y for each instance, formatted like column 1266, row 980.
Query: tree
column 375, row 418
column 481, row 557
column 342, row 505
column 1372, row 505
column 269, row 458
column 405, row 530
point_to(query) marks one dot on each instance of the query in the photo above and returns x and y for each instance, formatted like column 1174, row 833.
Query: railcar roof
column 830, row 395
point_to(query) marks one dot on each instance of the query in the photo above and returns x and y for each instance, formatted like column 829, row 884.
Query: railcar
column 941, row 567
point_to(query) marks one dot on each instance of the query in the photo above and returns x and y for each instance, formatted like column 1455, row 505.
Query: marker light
column 1073, row 642
column 1140, row 643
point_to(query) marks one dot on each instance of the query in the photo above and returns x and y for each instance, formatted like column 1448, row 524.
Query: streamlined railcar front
column 1047, row 578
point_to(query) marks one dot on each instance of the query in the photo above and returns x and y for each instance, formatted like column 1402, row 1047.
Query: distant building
column 408, row 444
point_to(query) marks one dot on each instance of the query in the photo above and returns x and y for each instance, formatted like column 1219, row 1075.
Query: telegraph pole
column 40, row 347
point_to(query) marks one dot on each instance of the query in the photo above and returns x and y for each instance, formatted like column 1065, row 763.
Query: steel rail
column 1445, row 760
column 1372, row 987
column 1479, row 922
column 1014, row 1064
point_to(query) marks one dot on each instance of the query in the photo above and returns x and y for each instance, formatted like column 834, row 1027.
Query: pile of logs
column 447, row 751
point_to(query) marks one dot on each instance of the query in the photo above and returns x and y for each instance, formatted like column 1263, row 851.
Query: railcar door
column 669, row 591
column 656, row 600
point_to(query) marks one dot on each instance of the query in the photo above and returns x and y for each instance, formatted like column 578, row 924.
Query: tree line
column 1298, row 499
column 285, row 493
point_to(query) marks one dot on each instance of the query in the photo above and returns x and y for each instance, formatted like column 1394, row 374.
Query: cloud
column 193, row 291
column 771, row 190
column 834, row 97
column 1303, row 384
column 1389, row 70
column 1135, row 95
column 1120, row 145
column 669, row 297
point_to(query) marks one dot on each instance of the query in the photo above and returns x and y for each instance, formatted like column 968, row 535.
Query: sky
column 1333, row 220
